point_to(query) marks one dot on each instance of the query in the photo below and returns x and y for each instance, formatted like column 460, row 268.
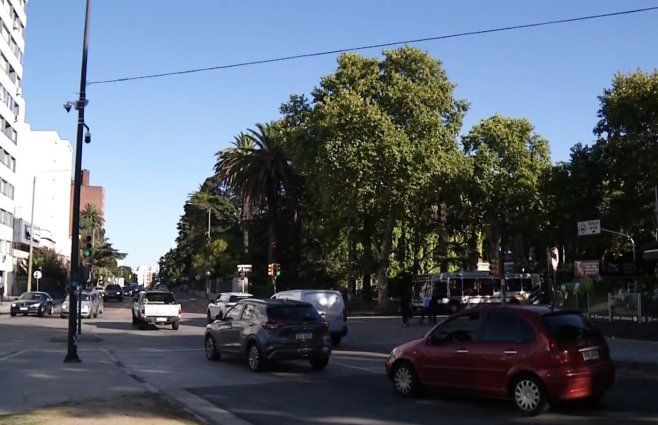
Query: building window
column 7, row 188
column 6, row 218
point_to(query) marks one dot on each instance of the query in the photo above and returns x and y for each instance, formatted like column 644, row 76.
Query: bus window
column 470, row 287
column 486, row 287
column 513, row 284
column 526, row 284
column 455, row 288
column 440, row 289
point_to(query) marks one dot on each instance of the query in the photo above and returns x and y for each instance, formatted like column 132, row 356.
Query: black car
column 38, row 303
column 129, row 290
column 265, row 330
column 113, row 292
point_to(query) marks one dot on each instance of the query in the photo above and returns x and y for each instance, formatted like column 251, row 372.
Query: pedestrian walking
column 405, row 309
column 2, row 292
column 433, row 308
column 425, row 311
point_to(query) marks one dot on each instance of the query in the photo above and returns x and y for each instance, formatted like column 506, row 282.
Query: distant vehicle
column 161, row 287
column 531, row 354
column 38, row 303
column 328, row 303
column 128, row 290
column 265, row 330
column 100, row 289
column 91, row 305
column 113, row 292
column 218, row 308
column 157, row 308
column 455, row 291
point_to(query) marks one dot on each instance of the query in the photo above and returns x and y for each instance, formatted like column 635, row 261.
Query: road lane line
column 377, row 371
column 10, row 355
column 360, row 354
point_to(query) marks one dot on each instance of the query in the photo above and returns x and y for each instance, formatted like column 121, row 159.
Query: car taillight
column 142, row 310
column 559, row 355
column 273, row 324
column 325, row 324
column 180, row 311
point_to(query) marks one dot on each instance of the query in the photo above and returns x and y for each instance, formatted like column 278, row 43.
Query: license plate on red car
column 304, row 336
column 590, row 354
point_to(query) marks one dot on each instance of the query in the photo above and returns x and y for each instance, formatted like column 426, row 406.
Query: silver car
column 91, row 305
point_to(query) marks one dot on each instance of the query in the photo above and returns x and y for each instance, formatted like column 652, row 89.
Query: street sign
column 244, row 268
column 589, row 227
column 37, row 274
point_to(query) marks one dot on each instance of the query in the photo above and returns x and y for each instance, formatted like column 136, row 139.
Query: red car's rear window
column 569, row 327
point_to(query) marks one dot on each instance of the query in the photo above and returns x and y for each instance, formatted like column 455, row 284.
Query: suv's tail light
column 142, row 310
column 273, row 324
column 325, row 324
column 180, row 311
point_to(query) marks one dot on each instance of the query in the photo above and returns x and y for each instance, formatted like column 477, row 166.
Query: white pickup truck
column 157, row 308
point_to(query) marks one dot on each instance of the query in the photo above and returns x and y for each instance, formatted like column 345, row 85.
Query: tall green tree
column 380, row 132
column 261, row 172
column 509, row 162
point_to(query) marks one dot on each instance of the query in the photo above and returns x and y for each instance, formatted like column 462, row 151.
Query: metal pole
column 655, row 188
column 72, row 348
column 208, row 259
column 29, row 267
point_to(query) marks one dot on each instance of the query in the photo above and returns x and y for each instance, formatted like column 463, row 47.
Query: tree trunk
column 367, row 258
column 351, row 255
column 272, row 205
column 384, row 254
column 245, row 228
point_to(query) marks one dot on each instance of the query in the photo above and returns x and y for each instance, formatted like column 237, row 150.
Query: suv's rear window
column 293, row 313
column 569, row 327
column 112, row 287
column 159, row 298
column 235, row 298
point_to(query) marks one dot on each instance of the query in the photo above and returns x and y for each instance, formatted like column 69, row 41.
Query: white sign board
column 590, row 227
column 37, row 274
column 245, row 268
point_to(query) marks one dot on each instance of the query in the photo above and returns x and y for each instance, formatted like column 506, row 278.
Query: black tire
column 208, row 317
column 50, row 310
column 529, row 395
column 335, row 340
column 174, row 325
column 405, row 380
column 211, row 349
column 134, row 318
column 40, row 312
column 254, row 357
column 12, row 314
column 140, row 324
column 62, row 316
column 319, row 363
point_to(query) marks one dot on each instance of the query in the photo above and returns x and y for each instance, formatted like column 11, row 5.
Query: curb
column 633, row 366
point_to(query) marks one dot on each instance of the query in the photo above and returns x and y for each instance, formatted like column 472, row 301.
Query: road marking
column 360, row 354
column 387, row 317
column 364, row 369
column 10, row 355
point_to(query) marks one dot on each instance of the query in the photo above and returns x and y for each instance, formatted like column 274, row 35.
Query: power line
column 374, row 46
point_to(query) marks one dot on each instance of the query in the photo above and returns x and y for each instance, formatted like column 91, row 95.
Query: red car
column 531, row 354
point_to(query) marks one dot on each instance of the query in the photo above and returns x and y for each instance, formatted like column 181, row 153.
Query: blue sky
column 154, row 140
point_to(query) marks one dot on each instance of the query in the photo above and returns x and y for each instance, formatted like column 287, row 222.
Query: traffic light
column 270, row 269
column 277, row 269
column 87, row 251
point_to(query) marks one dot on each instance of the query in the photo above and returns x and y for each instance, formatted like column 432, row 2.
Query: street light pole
column 29, row 267
column 72, row 349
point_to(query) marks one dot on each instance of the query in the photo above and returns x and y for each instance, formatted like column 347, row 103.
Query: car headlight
column 13, row 305
column 35, row 305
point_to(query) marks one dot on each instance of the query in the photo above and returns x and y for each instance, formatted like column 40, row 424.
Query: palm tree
column 259, row 169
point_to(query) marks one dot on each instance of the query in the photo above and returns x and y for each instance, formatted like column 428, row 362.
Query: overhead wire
column 373, row 46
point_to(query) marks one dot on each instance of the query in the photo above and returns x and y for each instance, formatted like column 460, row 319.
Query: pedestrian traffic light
column 270, row 269
column 87, row 251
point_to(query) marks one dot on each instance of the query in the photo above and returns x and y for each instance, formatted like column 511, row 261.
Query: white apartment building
column 12, row 115
column 45, row 169
column 146, row 274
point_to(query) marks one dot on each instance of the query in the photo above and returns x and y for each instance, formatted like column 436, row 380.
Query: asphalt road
column 353, row 389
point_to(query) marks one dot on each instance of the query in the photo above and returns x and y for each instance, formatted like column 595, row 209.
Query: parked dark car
column 531, row 354
column 113, row 292
column 38, row 303
column 265, row 330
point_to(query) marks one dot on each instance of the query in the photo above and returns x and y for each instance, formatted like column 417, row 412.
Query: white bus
column 454, row 291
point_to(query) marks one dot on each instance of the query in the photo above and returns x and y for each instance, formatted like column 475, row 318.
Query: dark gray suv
column 265, row 330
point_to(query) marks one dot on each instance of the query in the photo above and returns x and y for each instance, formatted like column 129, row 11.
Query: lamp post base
column 72, row 358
